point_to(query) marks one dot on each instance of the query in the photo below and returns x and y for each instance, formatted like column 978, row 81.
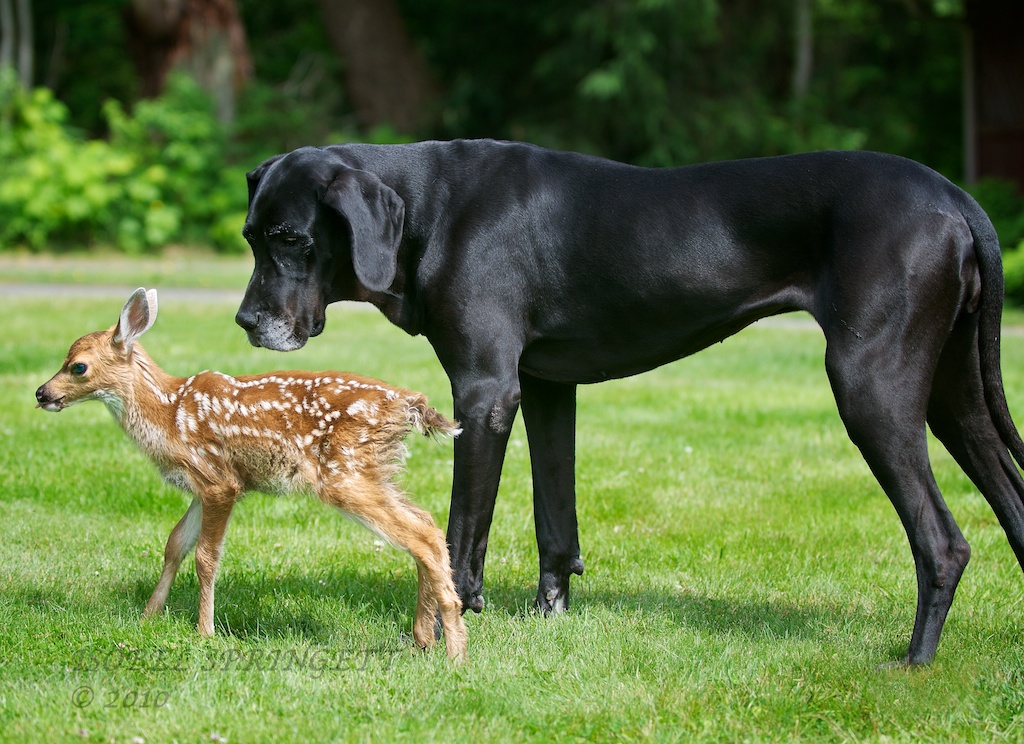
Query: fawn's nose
column 248, row 319
column 43, row 397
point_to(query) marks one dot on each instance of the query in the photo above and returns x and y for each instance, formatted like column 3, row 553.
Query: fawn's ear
column 137, row 317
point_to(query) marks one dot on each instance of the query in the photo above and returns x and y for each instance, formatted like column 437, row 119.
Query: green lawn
column 745, row 574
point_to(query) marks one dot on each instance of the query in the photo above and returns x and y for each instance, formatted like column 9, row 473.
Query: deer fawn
column 333, row 434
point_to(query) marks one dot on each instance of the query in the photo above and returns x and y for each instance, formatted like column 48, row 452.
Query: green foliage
column 658, row 82
column 82, row 53
column 654, row 82
column 671, row 82
column 298, row 96
column 1005, row 207
column 160, row 178
column 1013, row 271
column 272, row 119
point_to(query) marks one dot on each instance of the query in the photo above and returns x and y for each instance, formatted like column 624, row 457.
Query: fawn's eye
column 78, row 368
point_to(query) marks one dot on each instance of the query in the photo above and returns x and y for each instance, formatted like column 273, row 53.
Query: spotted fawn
column 334, row 434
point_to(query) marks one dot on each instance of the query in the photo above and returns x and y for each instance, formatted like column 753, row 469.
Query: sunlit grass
column 744, row 574
column 171, row 268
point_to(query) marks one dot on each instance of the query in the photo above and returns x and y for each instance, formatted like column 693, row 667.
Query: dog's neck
column 400, row 308
column 399, row 303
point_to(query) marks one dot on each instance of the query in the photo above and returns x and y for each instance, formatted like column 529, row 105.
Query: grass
column 745, row 574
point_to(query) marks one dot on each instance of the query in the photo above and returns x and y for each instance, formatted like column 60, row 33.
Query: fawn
column 334, row 434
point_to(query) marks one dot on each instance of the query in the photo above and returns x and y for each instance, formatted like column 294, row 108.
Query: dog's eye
column 78, row 369
column 300, row 244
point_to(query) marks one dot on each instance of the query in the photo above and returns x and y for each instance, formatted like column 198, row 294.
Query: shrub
column 1013, row 270
column 1004, row 204
column 161, row 178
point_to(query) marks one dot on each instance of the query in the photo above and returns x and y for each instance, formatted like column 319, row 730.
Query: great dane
column 531, row 271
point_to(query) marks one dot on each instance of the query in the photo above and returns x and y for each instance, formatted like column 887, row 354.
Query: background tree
column 204, row 38
column 16, row 43
column 388, row 80
column 675, row 81
column 995, row 90
column 653, row 81
column 90, row 159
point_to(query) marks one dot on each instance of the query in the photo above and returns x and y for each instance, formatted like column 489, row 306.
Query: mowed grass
column 745, row 575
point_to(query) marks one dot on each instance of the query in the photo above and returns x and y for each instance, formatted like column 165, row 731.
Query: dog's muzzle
column 273, row 332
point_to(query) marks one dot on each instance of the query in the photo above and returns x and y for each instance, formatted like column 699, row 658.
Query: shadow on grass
column 721, row 615
column 250, row 607
column 294, row 605
column 262, row 607
column 755, row 620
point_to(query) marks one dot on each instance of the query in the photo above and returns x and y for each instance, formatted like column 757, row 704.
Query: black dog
column 531, row 271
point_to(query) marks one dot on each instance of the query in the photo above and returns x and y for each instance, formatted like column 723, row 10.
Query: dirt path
column 116, row 291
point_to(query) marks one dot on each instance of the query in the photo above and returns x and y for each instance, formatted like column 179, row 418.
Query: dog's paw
column 474, row 602
column 552, row 595
column 552, row 602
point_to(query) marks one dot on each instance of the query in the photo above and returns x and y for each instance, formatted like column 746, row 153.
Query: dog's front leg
column 549, row 410
column 486, row 412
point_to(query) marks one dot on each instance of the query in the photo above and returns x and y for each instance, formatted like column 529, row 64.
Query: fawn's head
column 97, row 366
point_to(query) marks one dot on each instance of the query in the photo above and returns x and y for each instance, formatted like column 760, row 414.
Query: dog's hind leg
column 959, row 416
column 549, row 411
column 881, row 387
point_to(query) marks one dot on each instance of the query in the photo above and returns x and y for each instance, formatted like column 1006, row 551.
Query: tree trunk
column 994, row 90
column 16, row 39
column 205, row 38
column 804, row 48
column 7, row 35
column 387, row 78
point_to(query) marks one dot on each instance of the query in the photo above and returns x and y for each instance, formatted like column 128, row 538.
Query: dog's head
column 320, row 231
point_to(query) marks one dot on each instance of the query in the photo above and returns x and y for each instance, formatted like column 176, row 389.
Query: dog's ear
column 376, row 216
column 253, row 177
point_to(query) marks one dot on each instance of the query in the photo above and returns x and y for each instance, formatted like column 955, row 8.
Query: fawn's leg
column 182, row 539
column 426, row 609
column 208, row 551
column 449, row 604
column 387, row 512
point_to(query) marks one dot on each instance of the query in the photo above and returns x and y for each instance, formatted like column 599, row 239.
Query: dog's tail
column 990, row 266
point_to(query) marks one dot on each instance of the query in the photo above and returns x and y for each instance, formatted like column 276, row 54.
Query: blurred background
column 129, row 124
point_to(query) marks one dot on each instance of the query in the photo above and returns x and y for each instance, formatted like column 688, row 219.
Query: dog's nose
column 247, row 319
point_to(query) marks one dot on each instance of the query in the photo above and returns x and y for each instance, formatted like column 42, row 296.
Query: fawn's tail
column 428, row 421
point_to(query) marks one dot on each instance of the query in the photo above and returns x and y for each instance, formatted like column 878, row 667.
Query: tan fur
column 334, row 434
